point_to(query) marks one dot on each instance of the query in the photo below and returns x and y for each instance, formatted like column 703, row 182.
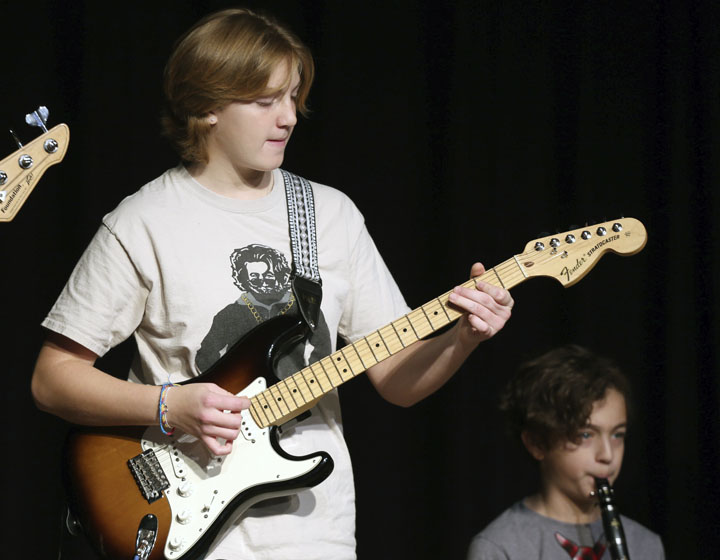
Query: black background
column 462, row 130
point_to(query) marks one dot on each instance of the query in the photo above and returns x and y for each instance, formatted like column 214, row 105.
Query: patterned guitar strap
column 306, row 281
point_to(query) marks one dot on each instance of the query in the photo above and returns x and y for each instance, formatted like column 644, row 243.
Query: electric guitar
column 21, row 170
column 117, row 476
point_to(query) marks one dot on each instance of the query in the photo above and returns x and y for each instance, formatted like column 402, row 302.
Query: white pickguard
column 202, row 485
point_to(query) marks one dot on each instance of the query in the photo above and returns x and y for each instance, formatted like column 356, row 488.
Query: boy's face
column 570, row 467
column 251, row 136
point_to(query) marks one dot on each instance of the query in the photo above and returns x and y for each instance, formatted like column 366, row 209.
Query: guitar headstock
column 21, row 170
column 569, row 256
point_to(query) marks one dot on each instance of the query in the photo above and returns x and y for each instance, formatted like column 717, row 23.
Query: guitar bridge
column 148, row 475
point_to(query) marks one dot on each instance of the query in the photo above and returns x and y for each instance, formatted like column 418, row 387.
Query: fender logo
column 567, row 272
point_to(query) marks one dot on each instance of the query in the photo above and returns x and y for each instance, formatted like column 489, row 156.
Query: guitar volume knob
column 185, row 488
column 184, row 517
column 176, row 543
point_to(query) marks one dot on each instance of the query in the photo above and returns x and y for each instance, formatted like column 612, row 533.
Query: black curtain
column 462, row 130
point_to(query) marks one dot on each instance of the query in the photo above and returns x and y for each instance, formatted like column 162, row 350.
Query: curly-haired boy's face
column 569, row 468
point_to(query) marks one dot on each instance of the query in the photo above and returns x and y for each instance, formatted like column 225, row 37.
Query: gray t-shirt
column 519, row 533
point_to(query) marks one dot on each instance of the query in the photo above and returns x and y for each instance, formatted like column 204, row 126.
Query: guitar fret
column 358, row 358
column 412, row 318
column 420, row 323
column 378, row 346
column 397, row 334
column 427, row 318
column 407, row 335
column 432, row 311
column 268, row 407
column 324, row 377
column 331, row 372
column 340, row 366
column 278, row 399
column 293, row 391
column 301, row 381
column 285, row 395
column 522, row 270
column 391, row 339
column 502, row 284
column 258, row 413
column 368, row 353
column 301, row 391
column 313, row 383
column 353, row 360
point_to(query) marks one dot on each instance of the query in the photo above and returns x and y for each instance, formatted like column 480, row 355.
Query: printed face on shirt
column 570, row 467
column 261, row 271
column 261, row 278
column 250, row 136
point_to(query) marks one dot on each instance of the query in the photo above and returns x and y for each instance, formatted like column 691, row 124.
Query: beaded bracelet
column 166, row 428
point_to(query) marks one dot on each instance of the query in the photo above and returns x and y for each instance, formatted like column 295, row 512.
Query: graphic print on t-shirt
column 577, row 552
column 262, row 275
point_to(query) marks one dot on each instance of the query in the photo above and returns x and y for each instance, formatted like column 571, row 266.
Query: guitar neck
column 298, row 392
column 566, row 257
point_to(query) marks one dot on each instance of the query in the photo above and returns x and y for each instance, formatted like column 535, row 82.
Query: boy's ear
column 535, row 450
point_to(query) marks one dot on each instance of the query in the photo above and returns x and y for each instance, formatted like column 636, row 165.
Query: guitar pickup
column 149, row 475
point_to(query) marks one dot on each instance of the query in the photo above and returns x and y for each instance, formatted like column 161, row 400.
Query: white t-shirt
column 160, row 268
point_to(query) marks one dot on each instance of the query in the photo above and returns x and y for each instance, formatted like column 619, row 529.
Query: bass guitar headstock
column 21, row 170
column 569, row 256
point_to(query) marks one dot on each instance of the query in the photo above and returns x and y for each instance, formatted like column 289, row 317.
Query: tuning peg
column 38, row 118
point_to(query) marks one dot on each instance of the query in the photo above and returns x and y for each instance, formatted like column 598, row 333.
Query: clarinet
column 614, row 533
